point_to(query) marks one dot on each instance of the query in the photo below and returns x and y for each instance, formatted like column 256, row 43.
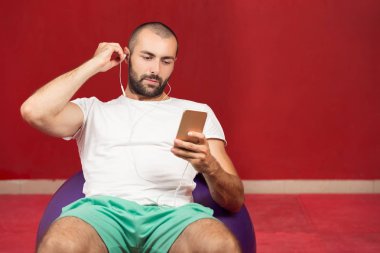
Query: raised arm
column 49, row 109
column 209, row 157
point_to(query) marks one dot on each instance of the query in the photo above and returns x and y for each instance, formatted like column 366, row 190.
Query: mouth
column 152, row 81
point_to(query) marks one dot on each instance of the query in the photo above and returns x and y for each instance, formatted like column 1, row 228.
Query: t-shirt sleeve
column 85, row 104
column 213, row 129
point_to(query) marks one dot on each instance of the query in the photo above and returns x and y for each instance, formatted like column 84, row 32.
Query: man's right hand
column 108, row 55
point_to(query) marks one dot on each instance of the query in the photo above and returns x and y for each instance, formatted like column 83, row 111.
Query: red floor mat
column 283, row 223
column 19, row 217
column 316, row 223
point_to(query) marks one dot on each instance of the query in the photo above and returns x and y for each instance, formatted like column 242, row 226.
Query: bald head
column 157, row 28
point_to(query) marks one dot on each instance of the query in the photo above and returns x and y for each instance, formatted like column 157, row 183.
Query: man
column 139, row 178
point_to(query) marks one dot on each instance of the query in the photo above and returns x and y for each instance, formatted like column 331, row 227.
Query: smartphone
column 191, row 121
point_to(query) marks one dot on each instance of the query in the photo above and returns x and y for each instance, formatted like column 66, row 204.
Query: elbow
column 235, row 202
column 237, row 205
column 26, row 112
column 30, row 114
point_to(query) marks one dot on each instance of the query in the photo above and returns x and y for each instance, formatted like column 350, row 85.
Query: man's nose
column 155, row 67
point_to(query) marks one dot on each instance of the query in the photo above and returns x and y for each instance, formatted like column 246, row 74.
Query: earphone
column 131, row 134
column 121, row 84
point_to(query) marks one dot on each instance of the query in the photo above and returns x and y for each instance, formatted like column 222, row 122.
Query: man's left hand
column 198, row 154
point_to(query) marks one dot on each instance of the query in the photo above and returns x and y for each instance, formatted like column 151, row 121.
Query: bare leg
column 71, row 234
column 206, row 235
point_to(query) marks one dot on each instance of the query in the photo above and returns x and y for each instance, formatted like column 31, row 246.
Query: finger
column 107, row 44
column 181, row 152
column 110, row 48
column 114, row 56
column 200, row 136
column 187, row 145
column 102, row 44
column 115, row 44
column 185, row 154
column 119, row 50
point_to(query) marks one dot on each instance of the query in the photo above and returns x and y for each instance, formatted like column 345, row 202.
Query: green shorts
column 126, row 226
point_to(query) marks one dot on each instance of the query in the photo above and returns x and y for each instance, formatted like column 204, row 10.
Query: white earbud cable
column 131, row 134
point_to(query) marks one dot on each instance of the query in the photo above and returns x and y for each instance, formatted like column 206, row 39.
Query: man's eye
column 147, row 57
column 167, row 62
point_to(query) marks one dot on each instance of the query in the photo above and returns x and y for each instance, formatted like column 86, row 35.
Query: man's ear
column 128, row 53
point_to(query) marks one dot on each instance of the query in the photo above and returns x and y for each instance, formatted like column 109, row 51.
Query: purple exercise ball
column 239, row 223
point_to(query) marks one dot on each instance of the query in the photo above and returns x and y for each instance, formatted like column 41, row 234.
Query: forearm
column 50, row 99
column 226, row 189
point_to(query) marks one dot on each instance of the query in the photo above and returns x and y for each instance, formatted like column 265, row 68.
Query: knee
column 58, row 244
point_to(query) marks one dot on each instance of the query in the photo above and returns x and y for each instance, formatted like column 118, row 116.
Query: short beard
column 136, row 86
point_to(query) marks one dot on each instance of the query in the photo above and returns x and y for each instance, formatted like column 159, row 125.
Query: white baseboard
column 311, row 186
column 24, row 186
column 45, row 186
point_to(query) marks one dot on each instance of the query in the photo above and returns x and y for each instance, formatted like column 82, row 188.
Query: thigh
column 112, row 218
column 206, row 235
column 71, row 234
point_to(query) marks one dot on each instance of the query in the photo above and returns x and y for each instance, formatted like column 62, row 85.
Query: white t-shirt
column 124, row 147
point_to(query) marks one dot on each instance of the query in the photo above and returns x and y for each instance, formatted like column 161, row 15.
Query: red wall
column 294, row 83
